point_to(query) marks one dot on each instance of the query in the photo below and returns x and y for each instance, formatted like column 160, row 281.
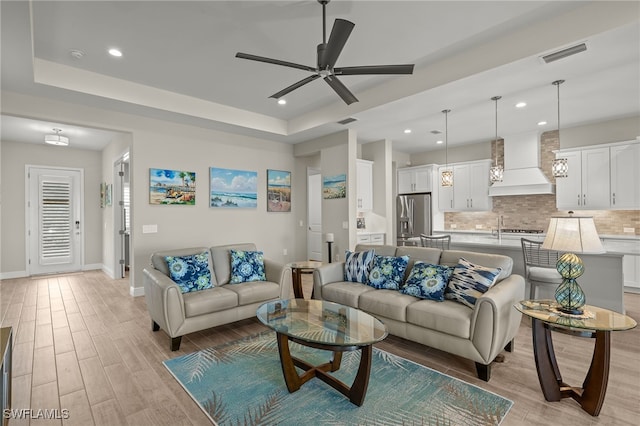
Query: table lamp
column 572, row 234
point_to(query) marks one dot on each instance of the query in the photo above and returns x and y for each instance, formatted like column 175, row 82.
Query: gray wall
column 158, row 144
column 15, row 156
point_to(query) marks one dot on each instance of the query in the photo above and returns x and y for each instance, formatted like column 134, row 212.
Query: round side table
column 596, row 323
column 299, row 268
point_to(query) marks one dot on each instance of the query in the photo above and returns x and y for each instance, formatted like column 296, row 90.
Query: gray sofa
column 479, row 334
column 179, row 314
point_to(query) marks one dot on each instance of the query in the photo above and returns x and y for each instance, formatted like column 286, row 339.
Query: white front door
column 54, row 228
column 314, row 214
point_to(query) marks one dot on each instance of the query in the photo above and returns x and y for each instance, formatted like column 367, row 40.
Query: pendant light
column 560, row 167
column 446, row 179
column 497, row 171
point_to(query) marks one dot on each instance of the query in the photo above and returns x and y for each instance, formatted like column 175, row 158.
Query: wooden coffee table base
column 591, row 394
column 355, row 393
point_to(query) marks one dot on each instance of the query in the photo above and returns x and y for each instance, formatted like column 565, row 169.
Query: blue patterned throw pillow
column 247, row 266
column 191, row 273
column 357, row 265
column 427, row 281
column 469, row 282
column 388, row 272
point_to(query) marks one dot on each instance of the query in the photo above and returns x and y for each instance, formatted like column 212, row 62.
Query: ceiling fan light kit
column 327, row 56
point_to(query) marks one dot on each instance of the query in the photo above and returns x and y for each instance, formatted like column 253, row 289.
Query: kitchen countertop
column 613, row 244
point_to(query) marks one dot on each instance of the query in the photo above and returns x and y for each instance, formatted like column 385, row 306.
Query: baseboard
column 14, row 274
column 108, row 271
column 136, row 291
column 92, row 266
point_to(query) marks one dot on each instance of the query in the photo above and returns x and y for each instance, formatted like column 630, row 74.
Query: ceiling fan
column 328, row 53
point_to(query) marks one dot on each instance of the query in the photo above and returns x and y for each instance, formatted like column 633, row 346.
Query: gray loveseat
column 179, row 314
column 479, row 334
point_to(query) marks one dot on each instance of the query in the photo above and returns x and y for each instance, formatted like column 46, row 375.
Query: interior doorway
column 314, row 214
column 55, row 219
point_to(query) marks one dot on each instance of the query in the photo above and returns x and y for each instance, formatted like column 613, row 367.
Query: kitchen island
column 603, row 280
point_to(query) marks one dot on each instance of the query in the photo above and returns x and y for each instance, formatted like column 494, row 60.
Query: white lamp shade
column 576, row 234
column 330, row 237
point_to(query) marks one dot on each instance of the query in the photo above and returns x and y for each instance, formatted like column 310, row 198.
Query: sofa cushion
column 446, row 317
column 470, row 281
column 208, row 301
column 221, row 257
column 160, row 263
column 357, row 265
column 387, row 272
column 383, row 250
column 427, row 281
column 451, row 257
column 386, row 303
column 191, row 272
column 344, row 292
column 246, row 266
column 423, row 254
column 254, row 291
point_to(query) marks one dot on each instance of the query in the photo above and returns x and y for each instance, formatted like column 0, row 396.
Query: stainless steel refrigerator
column 413, row 216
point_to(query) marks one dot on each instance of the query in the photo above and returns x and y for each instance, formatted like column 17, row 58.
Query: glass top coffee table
column 595, row 323
column 323, row 325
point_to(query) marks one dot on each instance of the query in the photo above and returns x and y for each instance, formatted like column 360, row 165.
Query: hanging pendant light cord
column 446, row 137
column 557, row 83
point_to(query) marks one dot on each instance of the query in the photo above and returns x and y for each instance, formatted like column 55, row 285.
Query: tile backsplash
column 534, row 211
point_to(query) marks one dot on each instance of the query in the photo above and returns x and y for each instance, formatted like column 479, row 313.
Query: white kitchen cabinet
column 364, row 185
column 371, row 238
column 470, row 191
column 625, row 176
column 587, row 185
column 631, row 271
column 415, row 179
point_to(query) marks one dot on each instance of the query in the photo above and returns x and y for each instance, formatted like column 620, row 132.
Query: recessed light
column 439, row 142
column 521, row 104
column 115, row 52
column 542, row 123
column 407, row 131
column 282, row 101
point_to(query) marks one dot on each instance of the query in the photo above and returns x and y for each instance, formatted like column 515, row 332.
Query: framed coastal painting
column 334, row 186
column 172, row 187
column 278, row 191
column 231, row 188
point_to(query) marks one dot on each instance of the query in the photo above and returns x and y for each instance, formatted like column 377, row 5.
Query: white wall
column 623, row 129
column 161, row 144
column 15, row 156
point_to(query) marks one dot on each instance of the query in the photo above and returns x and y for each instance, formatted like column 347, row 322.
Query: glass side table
column 595, row 323
column 299, row 268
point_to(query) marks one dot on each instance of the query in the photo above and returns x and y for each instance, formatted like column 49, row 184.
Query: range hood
column 522, row 174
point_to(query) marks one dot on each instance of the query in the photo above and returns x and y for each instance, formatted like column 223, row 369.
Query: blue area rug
column 241, row 383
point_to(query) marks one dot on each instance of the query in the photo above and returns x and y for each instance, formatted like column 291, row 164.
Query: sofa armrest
column 495, row 321
column 279, row 274
column 164, row 301
column 330, row 273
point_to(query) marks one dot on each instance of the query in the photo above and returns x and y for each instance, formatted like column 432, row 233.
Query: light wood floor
column 83, row 344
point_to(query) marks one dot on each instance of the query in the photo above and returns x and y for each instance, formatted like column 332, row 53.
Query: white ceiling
column 179, row 65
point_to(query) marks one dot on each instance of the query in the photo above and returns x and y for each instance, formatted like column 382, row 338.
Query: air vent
column 435, row 132
column 347, row 120
column 564, row 53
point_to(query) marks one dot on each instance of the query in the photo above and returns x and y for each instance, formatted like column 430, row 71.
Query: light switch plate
column 149, row 229
column 345, row 225
column 629, row 230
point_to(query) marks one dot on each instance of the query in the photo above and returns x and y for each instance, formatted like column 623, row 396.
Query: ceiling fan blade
column 341, row 89
column 375, row 69
column 294, row 86
column 338, row 38
column 274, row 61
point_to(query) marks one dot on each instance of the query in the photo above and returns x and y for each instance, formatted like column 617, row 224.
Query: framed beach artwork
column 172, row 187
column 334, row 186
column 278, row 191
column 233, row 188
